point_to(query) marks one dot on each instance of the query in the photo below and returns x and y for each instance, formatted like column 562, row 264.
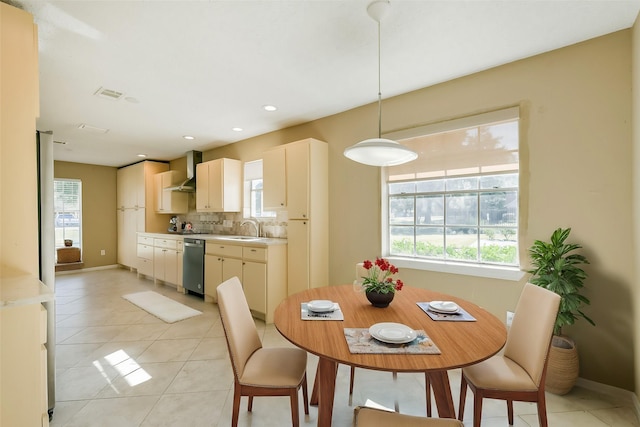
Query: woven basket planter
column 563, row 366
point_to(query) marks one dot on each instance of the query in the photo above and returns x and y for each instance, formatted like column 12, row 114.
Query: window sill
column 491, row 272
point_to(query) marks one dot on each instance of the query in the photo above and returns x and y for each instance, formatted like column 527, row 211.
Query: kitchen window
column 67, row 211
column 253, row 191
column 455, row 208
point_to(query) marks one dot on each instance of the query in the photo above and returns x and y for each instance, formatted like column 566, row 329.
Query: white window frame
column 76, row 243
column 448, row 266
column 252, row 172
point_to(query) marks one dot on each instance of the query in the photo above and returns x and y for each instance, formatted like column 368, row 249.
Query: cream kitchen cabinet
column 168, row 201
column 23, row 352
column 295, row 177
column 145, row 255
column 136, row 198
column 221, row 262
column 219, row 186
column 23, row 320
column 264, row 279
column 165, row 260
column 261, row 269
column 180, row 250
column 274, row 179
column 306, row 188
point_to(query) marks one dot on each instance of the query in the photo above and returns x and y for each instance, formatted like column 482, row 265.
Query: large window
column 253, row 191
column 68, row 211
column 459, row 200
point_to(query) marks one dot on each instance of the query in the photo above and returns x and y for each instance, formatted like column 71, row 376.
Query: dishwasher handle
column 194, row 245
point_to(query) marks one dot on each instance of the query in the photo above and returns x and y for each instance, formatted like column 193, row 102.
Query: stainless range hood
column 189, row 185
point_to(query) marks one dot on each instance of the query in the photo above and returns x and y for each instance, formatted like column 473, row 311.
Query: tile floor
column 119, row 366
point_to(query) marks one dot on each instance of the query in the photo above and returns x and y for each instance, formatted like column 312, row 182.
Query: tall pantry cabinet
column 136, row 212
column 23, row 317
column 296, row 180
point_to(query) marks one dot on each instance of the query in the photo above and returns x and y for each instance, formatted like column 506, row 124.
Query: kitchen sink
column 241, row 238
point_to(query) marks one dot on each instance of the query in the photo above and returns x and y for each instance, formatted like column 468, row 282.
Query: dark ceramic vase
column 379, row 300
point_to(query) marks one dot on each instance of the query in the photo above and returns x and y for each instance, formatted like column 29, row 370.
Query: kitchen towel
column 160, row 306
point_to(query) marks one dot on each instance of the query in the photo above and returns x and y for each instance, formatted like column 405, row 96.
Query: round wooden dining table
column 461, row 343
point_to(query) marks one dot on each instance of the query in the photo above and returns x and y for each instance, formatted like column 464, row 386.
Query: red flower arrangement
column 379, row 277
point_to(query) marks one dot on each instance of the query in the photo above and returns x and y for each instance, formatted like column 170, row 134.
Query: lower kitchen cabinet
column 261, row 269
column 180, row 250
column 221, row 262
column 145, row 256
column 24, row 397
column 160, row 257
column 165, row 260
column 254, row 282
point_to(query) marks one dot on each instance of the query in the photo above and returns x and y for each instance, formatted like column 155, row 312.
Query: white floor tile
column 119, row 366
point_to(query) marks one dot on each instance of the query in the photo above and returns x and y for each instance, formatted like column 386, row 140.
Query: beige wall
column 576, row 172
column 98, row 210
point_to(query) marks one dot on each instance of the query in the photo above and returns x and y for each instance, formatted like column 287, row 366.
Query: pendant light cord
column 379, row 87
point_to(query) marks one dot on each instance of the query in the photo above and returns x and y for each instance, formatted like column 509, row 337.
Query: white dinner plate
column 321, row 306
column 392, row 333
column 444, row 306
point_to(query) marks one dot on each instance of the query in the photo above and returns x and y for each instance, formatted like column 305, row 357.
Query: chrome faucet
column 256, row 225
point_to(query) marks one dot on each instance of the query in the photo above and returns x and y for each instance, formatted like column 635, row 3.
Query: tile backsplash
column 229, row 223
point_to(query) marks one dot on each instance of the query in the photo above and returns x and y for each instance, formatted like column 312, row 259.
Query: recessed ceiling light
column 269, row 107
column 132, row 100
column 142, row 155
column 237, row 129
column 189, row 137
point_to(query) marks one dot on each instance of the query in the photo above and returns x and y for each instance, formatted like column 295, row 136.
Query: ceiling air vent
column 114, row 95
column 90, row 128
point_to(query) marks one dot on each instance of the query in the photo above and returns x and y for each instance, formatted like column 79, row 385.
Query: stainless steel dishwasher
column 193, row 265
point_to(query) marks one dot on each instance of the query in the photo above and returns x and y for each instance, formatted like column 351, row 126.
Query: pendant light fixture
column 379, row 151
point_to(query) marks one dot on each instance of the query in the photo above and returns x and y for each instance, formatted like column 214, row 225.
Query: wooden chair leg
column 510, row 411
column 250, row 404
column 295, row 413
column 427, row 389
column 351, row 378
column 542, row 410
column 477, row 408
column 236, row 406
column 305, row 395
column 463, row 397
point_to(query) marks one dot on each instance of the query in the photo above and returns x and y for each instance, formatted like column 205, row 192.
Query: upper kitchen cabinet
column 169, row 201
column 136, row 212
column 295, row 178
column 130, row 188
column 274, row 179
column 219, row 186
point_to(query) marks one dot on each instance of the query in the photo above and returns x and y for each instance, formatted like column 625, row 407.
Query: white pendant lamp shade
column 380, row 152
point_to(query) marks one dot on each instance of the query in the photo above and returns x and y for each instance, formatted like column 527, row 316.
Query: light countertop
column 221, row 238
column 19, row 288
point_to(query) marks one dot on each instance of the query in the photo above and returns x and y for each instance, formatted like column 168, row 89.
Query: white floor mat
column 160, row 306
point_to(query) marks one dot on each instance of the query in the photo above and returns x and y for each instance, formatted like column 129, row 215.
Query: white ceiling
column 203, row 67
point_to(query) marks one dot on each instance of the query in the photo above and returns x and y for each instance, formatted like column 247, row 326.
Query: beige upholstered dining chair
column 519, row 373
column 258, row 371
column 370, row 417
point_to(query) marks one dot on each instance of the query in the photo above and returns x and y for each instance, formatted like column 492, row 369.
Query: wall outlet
column 509, row 318
column 103, row 252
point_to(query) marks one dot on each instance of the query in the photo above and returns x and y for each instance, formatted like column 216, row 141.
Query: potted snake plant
column 556, row 267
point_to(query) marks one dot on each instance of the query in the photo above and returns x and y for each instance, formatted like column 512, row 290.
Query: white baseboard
column 626, row 397
column 83, row 270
